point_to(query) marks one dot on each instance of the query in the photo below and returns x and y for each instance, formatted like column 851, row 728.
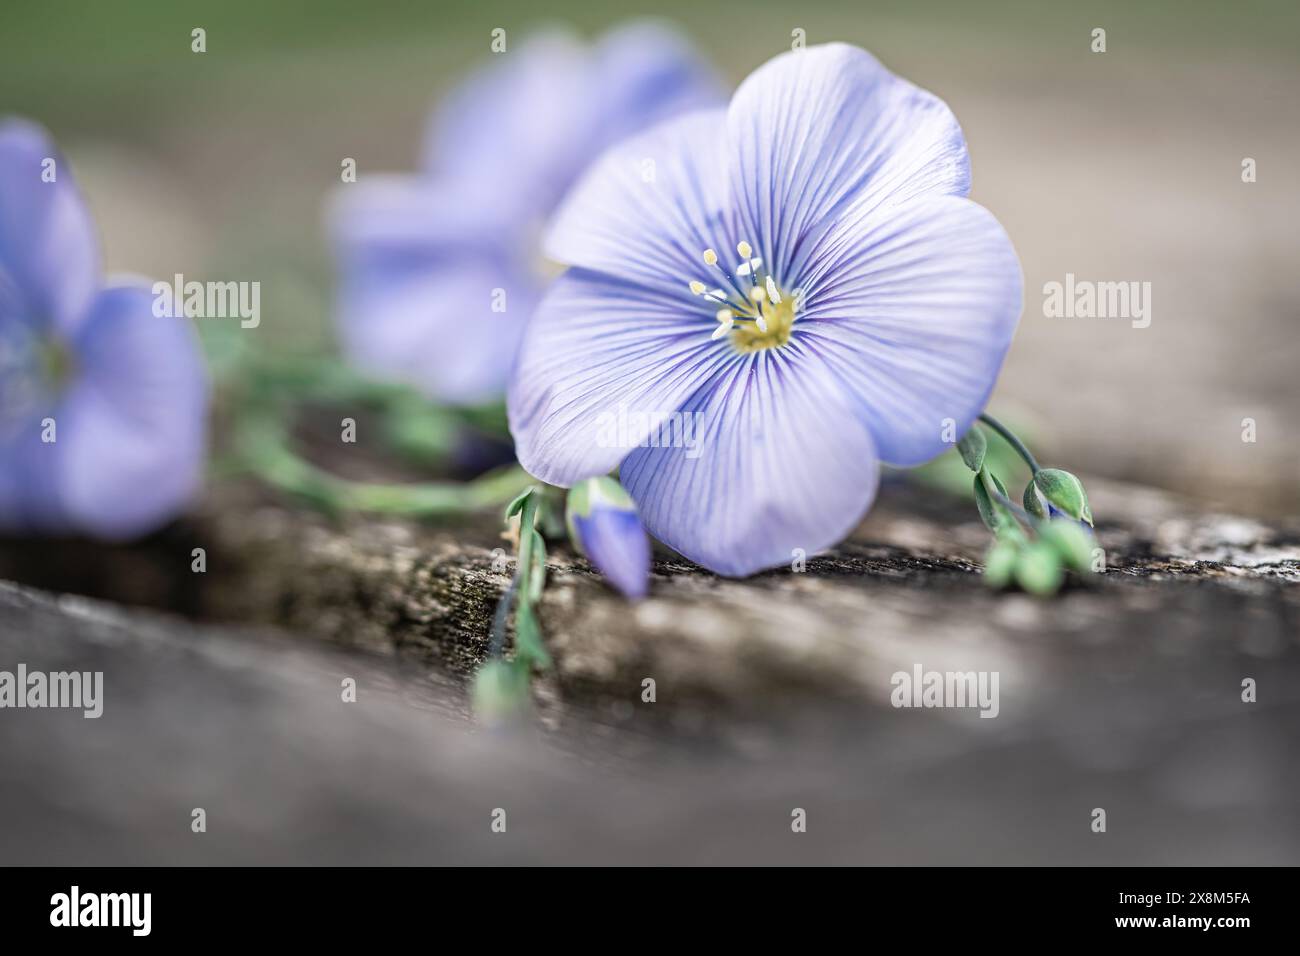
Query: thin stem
column 529, row 649
column 497, row 640
column 264, row 448
column 1014, row 508
column 433, row 499
column 1010, row 438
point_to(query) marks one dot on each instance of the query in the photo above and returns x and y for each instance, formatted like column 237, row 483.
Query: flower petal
column 421, row 266
column 398, row 215
column 432, row 325
column 914, row 309
column 827, row 127
column 29, row 489
column 600, row 360
column 49, row 254
column 531, row 121
column 647, row 72
column 519, row 122
column 132, row 428
column 781, row 464
column 648, row 207
column 128, row 433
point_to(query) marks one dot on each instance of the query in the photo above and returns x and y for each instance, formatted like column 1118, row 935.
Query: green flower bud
column 1034, row 501
column 1064, row 492
column 993, row 516
column 1039, row 570
column 973, row 447
column 1000, row 563
column 1071, row 542
column 500, row 691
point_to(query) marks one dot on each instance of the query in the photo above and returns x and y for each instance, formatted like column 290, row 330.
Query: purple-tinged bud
column 1063, row 492
column 603, row 525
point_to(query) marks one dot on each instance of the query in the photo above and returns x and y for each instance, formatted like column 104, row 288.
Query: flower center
column 748, row 305
column 56, row 364
column 33, row 373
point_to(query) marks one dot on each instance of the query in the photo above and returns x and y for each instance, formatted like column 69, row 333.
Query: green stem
column 1010, row 438
column 264, row 449
column 527, row 524
column 497, row 636
column 1011, row 506
column 523, row 593
column 434, row 499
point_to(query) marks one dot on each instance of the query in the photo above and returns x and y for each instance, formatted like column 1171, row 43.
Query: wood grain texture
column 772, row 693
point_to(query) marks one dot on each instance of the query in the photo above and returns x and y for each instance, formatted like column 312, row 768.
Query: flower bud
column 1039, row 570
column 1035, row 503
column 1071, row 542
column 992, row 514
column 973, row 448
column 500, row 691
column 1000, row 563
column 604, row 527
column 1064, row 492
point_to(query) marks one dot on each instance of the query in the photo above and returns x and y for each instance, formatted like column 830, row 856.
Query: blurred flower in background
column 440, row 270
column 102, row 402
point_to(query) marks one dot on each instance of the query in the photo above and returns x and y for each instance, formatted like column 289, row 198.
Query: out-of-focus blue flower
column 440, row 271
column 803, row 285
column 102, row 403
column 603, row 524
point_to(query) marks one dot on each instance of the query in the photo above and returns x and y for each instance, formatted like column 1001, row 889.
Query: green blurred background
column 1116, row 166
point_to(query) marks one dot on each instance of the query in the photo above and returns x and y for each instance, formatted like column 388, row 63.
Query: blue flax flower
column 439, row 271
column 803, row 277
column 102, row 403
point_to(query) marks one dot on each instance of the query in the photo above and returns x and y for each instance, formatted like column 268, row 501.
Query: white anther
column 726, row 319
column 772, row 293
column 710, row 257
column 697, row 287
column 745, row 249
column 756, row 293
column 760, row 322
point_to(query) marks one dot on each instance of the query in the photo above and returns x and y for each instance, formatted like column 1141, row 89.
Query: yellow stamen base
column 747, row 337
